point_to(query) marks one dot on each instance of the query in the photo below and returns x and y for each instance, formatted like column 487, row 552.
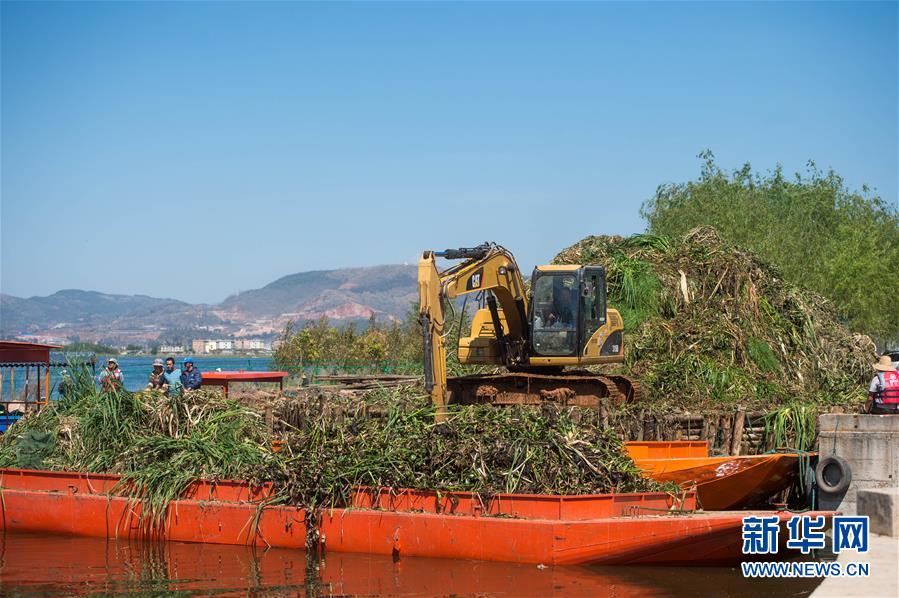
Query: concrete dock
column 883, row 582
column 870, row 444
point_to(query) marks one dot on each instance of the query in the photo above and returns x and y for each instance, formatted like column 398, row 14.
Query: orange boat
column 721, row 483
column 638, row 528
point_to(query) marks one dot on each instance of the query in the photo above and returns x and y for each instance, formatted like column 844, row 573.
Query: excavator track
column 576, row 389
column 629, row 388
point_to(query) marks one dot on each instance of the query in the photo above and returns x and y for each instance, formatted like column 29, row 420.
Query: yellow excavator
column 562, row 321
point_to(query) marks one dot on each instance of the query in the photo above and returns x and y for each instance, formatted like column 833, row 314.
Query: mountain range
column 342, row 295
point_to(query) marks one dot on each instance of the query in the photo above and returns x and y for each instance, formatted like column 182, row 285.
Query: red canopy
column 19, row 352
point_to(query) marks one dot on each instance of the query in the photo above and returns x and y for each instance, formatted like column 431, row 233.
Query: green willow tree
column 319, row 341
column 843, row 244
column 398, row 342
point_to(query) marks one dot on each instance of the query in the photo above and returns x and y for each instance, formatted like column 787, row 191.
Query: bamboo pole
column 737, row 440
column 713, row 433
column 727, row 428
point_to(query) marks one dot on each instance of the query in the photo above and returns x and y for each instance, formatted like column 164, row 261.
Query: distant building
column 250, row 344
column 42, row 339
column 202, row 345
column 225, row 345
column 171, row 349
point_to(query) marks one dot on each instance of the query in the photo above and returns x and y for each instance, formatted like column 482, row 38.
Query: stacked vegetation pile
column 158, row 445
column 550, row 450
column 387, row 438
column 710, row 325
column 841, row 243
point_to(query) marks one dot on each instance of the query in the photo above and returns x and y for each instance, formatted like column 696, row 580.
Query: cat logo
column 474, row 282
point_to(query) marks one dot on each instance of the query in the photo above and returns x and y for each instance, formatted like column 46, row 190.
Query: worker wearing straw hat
column 156, row 376
column 111, row 378
column 883, row 393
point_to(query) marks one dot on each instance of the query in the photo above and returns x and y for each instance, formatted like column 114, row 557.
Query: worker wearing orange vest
column 883, row 393
column 111, row 378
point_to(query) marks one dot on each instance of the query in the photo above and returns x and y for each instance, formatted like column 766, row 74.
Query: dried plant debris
column 710, row 325
column 390, row 439
column 333, row 443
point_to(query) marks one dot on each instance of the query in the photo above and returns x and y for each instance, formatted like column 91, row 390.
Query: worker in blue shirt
column 171, row 378
column 190, row 376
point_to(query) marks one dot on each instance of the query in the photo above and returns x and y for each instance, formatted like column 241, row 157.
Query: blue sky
column 193, row 150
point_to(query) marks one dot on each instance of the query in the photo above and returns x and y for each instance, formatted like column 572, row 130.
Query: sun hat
column 885, row 364
column 158, row 362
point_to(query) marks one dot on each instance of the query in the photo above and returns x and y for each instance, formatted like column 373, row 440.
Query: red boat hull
column 721, row 483
column 600, row 529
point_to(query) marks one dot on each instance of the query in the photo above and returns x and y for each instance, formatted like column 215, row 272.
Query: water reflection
column 32, row 564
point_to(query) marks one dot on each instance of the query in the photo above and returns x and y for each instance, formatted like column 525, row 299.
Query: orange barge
column 644, row 528
column 728, row 482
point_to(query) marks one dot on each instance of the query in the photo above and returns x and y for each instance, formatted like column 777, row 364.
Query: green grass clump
column 793, row 426
column 762, row 355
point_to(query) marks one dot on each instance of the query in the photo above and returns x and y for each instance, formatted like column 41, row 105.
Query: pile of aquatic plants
column 332, row 443
column 390, row 439
column 159, row 445
column 708, row 325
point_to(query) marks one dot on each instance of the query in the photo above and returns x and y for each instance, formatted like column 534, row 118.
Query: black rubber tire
column 833, row 475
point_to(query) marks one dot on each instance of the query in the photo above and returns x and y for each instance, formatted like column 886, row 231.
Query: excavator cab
column 568, row 307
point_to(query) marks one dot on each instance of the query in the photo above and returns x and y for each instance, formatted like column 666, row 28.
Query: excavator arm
column 486, row 268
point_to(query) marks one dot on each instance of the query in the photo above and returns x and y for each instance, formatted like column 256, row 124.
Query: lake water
column 41, row 564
